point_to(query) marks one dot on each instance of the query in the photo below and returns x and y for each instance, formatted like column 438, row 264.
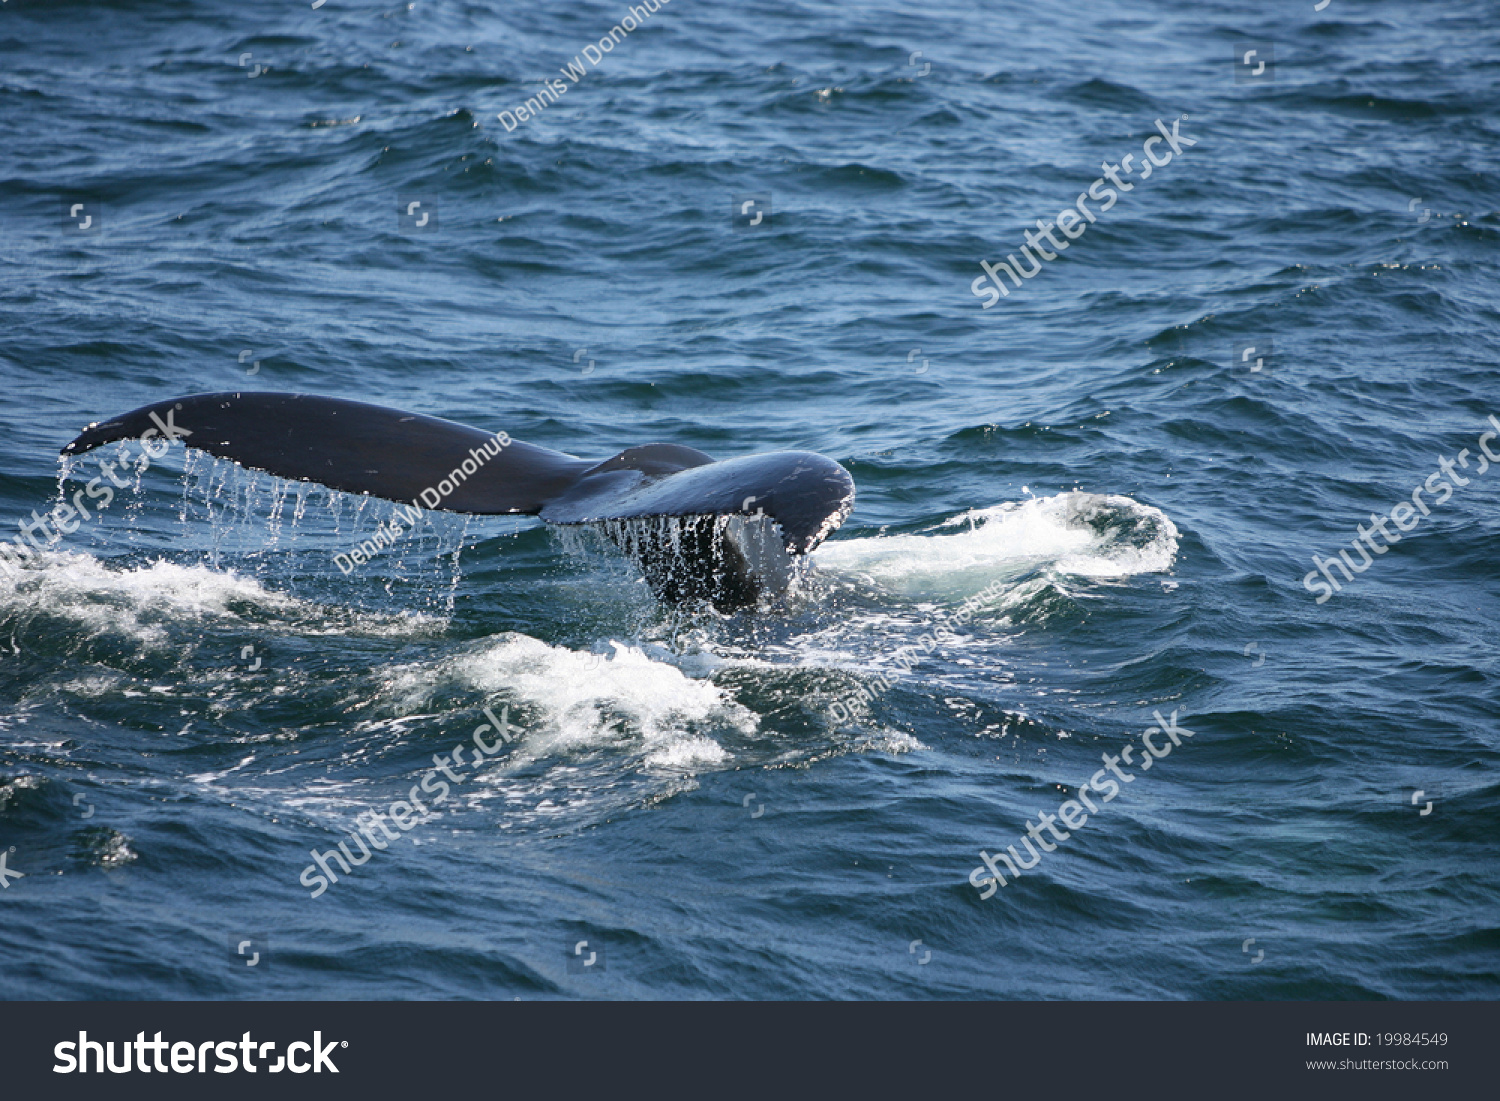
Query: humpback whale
column 726, row 531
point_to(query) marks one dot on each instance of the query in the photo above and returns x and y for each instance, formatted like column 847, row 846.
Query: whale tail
column 700, row 529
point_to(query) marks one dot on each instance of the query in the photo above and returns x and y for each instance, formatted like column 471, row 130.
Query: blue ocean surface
column 1085, row 510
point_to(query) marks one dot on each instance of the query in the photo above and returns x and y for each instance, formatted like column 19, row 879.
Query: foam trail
column 1077, row 534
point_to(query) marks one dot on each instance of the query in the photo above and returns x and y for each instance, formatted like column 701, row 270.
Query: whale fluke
column 717, row 530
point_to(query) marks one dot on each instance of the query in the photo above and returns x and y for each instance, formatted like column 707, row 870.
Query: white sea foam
column 575, row 700
column 1077, row 534
column 143, row 602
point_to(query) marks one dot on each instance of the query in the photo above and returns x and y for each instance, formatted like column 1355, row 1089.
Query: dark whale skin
column 371, row 449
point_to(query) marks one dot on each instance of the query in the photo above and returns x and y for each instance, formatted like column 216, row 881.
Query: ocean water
column 1108, row 487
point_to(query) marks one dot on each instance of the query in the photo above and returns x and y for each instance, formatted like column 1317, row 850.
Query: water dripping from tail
column 730, row 562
